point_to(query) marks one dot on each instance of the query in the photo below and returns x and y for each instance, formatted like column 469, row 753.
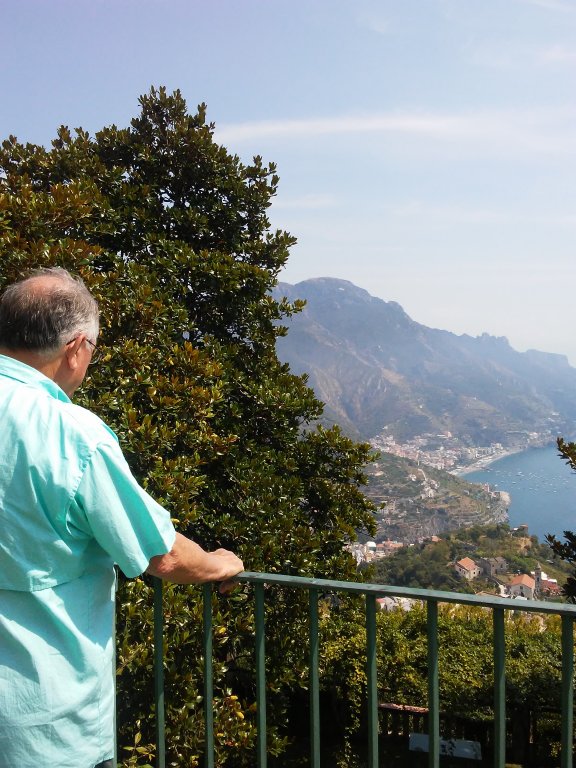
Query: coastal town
column 420, row 510
column 415, row 501
column 446, row 452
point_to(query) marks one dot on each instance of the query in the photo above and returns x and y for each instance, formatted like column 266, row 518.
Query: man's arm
column 188, row 563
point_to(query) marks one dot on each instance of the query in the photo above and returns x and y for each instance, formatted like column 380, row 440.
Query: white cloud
column 512, row 56
column 551, row 5
column 419, row 209
column 310, row 202
column 559, row 53
column 550, row 130
column 375, row 23
column 345, row 124
column 469, row 214
column 373, row 15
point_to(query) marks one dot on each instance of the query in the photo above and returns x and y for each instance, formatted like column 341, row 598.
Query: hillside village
column 416, row 501
column 534, row 586
column 481, row 573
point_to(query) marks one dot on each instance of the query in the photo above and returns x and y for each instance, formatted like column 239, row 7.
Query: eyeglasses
column 96, row 354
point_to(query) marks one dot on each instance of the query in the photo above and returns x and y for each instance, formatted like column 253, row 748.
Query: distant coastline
column 485, row 461
column 542, row 489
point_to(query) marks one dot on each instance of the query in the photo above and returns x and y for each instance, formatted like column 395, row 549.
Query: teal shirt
column 69, row 509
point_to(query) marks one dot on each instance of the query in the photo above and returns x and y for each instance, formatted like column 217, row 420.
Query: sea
column 542, row 488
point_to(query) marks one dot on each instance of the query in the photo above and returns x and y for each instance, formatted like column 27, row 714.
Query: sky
column 426, row 148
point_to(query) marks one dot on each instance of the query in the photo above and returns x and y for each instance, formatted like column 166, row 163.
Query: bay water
column 542, row 489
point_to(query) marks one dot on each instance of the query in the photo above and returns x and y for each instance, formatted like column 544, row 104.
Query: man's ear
column 72, row 349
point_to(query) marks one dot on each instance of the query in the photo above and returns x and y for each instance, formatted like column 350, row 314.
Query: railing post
column 159, row 675
column 499, row 688
column 314, row 682
column 261, row 757
column 208, row 678
column 433, row 687
column 567, row 691
column 372, row 681
column 115, row 667
column 433, row 598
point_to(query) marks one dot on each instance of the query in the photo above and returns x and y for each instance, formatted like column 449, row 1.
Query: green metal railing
column 371, row 592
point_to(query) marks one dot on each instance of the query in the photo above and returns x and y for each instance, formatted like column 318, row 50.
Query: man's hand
column 234, row 564
column 188, row 563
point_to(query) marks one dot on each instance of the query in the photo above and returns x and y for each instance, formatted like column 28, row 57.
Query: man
column 69, row 509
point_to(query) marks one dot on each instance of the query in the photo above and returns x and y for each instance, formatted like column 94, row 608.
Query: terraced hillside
column 419, row 501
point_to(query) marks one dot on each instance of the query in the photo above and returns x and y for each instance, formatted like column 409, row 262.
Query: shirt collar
column 14, row 369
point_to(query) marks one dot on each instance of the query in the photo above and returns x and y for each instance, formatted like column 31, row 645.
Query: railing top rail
column 428, row 595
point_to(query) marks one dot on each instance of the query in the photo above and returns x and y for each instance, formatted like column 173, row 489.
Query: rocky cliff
column 376, row 369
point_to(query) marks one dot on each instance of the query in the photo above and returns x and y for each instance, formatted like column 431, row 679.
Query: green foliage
column 342, row 644
column 566, row 550
column 170, row 232
column 425, row 565
column 465, row 640
column 465, row 666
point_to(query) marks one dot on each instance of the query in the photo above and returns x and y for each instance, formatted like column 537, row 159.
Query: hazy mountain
column 376, row 368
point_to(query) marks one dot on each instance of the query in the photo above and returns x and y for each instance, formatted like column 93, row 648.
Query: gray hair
column 46, row 310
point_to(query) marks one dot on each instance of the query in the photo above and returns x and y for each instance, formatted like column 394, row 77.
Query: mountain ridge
column 377, row 369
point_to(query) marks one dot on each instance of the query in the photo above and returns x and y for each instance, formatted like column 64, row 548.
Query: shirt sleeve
column 111, row 507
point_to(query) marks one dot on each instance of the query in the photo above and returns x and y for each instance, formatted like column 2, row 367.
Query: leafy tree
column 566, row 550
column 466, row 678
column 170, row 232
column 427, row 566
